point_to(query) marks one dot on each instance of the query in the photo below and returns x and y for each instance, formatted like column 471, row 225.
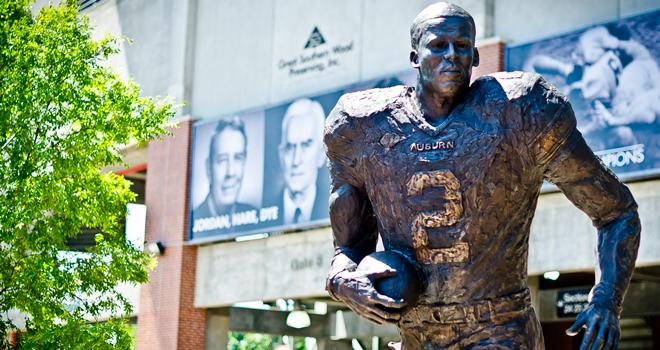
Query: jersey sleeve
column 339, row 140
column 569, row 163
column 548, row 120
column 353, row 224
column 595, row 190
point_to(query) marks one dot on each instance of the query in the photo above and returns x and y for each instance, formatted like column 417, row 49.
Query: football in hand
column 405, row 285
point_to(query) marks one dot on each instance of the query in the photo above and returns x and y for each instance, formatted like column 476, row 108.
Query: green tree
column 63, row 115
column 249, row 341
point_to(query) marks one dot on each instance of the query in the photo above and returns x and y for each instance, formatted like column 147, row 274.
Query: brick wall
column 167, row 318
column 491, row 60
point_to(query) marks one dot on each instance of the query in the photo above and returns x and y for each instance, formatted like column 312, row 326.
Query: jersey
column 457, row 198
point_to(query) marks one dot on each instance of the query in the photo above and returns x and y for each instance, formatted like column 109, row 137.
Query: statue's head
column 443, row 48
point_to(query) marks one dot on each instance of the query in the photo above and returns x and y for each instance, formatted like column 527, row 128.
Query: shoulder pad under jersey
column 515, row 85
column 364, row 103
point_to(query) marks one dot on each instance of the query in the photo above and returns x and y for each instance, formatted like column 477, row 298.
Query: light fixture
column 254, row 304
column 551, row 275
column 156, row 248
column 320, row 308
column 298, row 319
column 251, row 237
column 310, row 343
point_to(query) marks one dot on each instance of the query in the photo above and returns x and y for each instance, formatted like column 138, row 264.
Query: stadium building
column 236, row 201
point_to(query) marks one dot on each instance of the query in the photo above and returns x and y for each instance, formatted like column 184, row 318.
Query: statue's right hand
column 357, row 290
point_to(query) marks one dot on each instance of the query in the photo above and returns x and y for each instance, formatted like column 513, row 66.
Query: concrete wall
column 629, row 8
column 563, row 238
column 527, row 20
column 244, row 50
column 159, row 37
column 224, row 56
column 288, row 266
column 38, row 4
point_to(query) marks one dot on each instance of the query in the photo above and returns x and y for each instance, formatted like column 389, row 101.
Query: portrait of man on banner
column 265, row 170
column 225, row 167
column 304, row 197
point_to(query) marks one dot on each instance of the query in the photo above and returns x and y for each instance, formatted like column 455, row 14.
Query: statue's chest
column 430, row 187
column 465, row 147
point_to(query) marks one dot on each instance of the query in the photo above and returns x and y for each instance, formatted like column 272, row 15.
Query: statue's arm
column 351, row 214
column 354, row 224
column 562, row 155
column 354, row 230
column 595, row 190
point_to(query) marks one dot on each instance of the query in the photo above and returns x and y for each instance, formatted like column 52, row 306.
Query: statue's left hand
column 602, row 325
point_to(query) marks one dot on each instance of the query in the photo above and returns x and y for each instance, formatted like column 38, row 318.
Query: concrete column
column 489, row 18
column 168, row 319
column 533, row 284
column 189, row 58
column 217, row 326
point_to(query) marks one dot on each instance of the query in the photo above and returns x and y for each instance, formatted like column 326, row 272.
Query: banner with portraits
column 264, row 171
column 610, row 74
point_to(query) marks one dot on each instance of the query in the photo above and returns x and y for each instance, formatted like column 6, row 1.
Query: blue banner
column 611, row 77
column 264, row 171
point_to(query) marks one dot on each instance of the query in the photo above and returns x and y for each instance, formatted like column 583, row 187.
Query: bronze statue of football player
column 449, row 175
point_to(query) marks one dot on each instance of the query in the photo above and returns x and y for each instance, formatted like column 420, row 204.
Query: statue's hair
column 437, row 10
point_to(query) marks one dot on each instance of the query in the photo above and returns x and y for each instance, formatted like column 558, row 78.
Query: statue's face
column 445, row 55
